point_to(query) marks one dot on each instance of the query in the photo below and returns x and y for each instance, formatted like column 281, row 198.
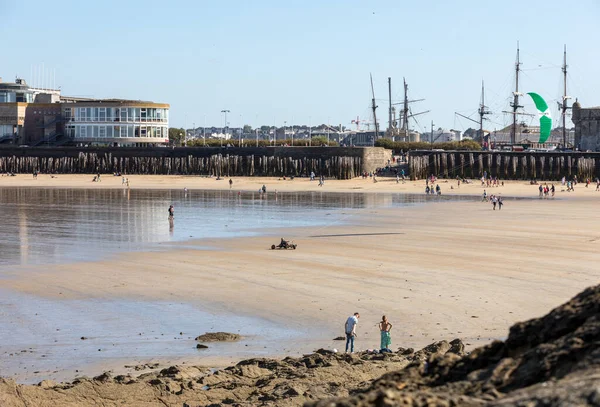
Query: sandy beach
column 383, row 184
column 438, row 271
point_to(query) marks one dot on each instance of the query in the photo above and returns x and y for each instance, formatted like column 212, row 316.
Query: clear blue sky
column 273, row 61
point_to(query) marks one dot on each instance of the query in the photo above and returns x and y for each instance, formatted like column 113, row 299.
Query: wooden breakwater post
column 332, row 162
column 504, row 165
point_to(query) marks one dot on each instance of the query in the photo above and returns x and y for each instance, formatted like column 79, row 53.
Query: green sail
column 545, row 119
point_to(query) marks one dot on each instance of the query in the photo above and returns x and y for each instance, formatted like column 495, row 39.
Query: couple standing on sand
column 384, row 327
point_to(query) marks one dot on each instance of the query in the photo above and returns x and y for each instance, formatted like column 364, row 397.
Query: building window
column 123, row 114
column 102, row 131
column 102, row 114
column 143, row 131
column 144, row 114
column 82, row 131
column 123, row 130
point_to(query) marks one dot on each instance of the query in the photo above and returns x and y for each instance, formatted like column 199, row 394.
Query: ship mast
column 405, row 111
column 374, row 107
column 482, row 113
column 390, row 123
column 564, row 106
column 515, row 104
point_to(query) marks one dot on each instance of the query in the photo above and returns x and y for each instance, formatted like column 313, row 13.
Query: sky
column 300, row 62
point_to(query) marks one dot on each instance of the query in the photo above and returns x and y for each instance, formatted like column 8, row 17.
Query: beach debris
column 200, row 346
column 218, row 337
column 339, row 338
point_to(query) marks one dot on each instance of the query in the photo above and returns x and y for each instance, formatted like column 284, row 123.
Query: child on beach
column 386, row 339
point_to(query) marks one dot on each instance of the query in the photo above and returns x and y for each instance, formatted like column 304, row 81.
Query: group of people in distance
column 384, row 328
column 545, row 190
column 493, row 199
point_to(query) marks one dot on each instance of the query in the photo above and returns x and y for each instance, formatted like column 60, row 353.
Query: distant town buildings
column 32, row 117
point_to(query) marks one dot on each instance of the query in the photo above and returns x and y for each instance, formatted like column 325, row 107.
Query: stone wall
column 337, row 162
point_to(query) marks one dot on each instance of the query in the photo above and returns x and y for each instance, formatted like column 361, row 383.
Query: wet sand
column 440, row 271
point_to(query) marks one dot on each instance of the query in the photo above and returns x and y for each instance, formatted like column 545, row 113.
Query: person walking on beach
column 484, row 199
column 494, row 201
column 350, row 329
column 171, row 212
column 386, row 339
column 264, row 189
column 500, row 203
column 230, row 183
column 541, row 189
column 552, row 190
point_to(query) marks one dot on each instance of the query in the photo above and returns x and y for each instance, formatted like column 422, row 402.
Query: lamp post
column 310, row 131
column 284, row 129
column 225, row 124
column 204, row 131
column 431, row 138
column 241, row 132
column 193, row 133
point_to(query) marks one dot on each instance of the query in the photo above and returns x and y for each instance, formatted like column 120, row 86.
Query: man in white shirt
column 350, row 329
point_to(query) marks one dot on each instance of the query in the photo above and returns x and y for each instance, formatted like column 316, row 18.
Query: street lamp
column 310, row 131
column 431, row 138
column 241, row 132
column 225, row 124
column 204, row 131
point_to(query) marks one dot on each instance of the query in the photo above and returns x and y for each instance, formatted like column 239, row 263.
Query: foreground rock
column 268, row 382
column 218, row 337
column 551, row 361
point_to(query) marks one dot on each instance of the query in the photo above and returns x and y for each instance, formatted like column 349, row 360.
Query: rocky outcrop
column 268, row 382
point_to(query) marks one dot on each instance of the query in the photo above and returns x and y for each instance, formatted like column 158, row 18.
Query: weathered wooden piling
column 504, row 165
column 333, row 162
